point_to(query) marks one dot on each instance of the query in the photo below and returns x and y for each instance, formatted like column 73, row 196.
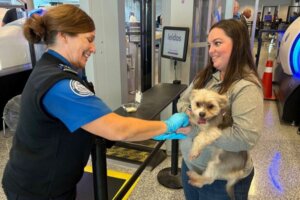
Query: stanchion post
column 99, row 169
column 174, row 157
column 175, row 143
column 171, row 177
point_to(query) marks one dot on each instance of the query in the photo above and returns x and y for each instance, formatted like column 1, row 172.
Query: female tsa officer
column 60, row 113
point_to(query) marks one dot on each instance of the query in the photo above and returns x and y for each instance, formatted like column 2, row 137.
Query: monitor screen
column 268, row 18
column 174, row 43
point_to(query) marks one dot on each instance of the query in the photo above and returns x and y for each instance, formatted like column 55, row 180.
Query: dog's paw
column 195, row 179
column 194, row 154
column 192, row 174
column 185, row 130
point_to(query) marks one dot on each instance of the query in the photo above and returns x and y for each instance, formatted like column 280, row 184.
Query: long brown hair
column 64, row 18
column 241, row 64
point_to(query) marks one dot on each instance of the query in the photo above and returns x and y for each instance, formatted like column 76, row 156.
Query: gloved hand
column 173, row 123
column 177, row 121
column 38, row 11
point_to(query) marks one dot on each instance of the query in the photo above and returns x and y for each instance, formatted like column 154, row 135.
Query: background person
column 258, row 24
column 246, row 14
column 230, row 71
column 132, row 17
column 236, row 8
column 60, row 113
column 158, row 21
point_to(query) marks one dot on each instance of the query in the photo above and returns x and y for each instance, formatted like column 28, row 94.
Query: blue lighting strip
column 273, row 172
column 295, row 56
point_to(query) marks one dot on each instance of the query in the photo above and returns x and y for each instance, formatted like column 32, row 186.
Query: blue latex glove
column 175, row 122
column 38, row 11
column 170, row 136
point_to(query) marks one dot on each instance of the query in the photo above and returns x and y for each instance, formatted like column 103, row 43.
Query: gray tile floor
column 276, row 159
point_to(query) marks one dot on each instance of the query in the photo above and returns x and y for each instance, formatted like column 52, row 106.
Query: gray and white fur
column 209, row 111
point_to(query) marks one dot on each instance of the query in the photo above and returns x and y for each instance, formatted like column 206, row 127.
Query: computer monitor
column 174, row 43
column 268, row 18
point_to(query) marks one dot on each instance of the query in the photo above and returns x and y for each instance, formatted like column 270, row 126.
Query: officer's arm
column 115, row 127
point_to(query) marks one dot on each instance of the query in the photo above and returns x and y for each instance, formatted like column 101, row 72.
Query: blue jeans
column 215, row 191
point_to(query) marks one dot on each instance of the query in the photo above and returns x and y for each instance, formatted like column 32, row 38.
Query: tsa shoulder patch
column 80, row 89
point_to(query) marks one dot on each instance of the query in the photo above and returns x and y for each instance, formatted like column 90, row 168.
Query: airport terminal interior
column 151, row 170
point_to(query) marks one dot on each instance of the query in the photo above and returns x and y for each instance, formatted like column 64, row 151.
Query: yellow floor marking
column 119, row 175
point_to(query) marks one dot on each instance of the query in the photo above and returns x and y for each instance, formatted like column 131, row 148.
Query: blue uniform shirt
column 72, row 103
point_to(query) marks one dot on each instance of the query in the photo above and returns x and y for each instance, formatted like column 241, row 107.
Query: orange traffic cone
column 267, row 81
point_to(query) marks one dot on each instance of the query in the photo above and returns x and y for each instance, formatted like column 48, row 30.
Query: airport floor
column 276, row 158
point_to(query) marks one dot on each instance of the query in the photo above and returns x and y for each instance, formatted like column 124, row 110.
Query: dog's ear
column 193, row 93
column 223, row 101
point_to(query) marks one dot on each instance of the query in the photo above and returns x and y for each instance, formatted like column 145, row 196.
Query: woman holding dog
column 60, row 113
column 230, row 71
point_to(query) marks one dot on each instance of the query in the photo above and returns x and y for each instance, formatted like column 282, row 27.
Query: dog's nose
column 202, row 114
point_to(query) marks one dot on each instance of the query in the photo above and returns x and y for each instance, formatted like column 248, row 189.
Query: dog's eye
column 198, row 104
column 210, row 106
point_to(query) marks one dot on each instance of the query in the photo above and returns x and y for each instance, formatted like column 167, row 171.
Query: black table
column 155, row 100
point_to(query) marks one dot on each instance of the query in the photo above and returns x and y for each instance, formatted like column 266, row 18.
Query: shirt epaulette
column 66, row 68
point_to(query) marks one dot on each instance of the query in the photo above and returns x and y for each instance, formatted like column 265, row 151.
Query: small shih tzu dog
column 209, row 111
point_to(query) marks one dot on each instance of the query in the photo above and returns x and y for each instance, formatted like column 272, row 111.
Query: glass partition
column 43, row 3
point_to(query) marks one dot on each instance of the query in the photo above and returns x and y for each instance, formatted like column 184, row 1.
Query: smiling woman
column 230, row 71
column 69, row 35
column 220, row 47
column 76, row 49
column 60, row 113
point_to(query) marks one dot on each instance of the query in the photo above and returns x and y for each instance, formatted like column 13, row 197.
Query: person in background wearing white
column 132, row 17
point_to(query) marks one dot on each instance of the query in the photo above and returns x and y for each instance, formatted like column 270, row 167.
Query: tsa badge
column 80, row 89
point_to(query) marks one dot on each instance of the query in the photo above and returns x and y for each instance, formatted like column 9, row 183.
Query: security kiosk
column 288, row 75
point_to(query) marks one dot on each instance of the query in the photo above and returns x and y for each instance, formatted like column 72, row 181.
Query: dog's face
column 205, row 105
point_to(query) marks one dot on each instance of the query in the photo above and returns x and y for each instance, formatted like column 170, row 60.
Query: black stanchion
column 138, row 172
column 99, row 169
column 32, row 54
column 171, row 177
column 155, row 100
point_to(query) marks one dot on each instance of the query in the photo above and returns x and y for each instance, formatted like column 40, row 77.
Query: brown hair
column 64, row 18
column 241, row 64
